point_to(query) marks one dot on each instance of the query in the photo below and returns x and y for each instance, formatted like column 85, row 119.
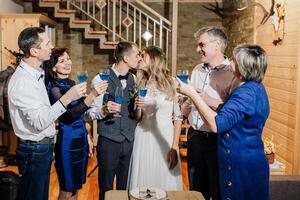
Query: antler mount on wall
column 277, row 13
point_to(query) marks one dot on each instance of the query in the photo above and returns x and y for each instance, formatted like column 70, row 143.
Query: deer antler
column 217, row 9
column 267, row 14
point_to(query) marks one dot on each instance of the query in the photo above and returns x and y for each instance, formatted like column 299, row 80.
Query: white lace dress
column 153, row 140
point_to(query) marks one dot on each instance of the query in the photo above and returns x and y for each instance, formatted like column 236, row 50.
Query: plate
column 148, row 193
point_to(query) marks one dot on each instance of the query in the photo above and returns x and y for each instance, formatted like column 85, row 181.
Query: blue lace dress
column 71, row 148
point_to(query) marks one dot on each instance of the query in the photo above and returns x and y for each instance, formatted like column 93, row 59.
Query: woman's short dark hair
column 48, row 65
column 29, row 38
column 121, row 49
column 251, row 61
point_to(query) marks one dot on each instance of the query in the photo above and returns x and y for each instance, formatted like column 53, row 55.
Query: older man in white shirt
column 32, row 115
column 214, row 81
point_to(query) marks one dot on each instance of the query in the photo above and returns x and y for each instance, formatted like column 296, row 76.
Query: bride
column 155, row 160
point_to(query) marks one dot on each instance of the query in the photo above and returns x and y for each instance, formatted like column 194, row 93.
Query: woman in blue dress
column 73, row 145
column 244, row 169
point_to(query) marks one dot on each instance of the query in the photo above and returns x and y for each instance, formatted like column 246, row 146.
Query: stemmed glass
column 82, row 76
column 118, row 99
column 104, row 76
column 183, row 75
column 143, row 91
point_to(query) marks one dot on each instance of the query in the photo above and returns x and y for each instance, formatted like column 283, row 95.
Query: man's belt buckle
column 46, row 140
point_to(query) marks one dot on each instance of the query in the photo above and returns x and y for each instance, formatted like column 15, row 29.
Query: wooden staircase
column 81, row 15
column 75, row 23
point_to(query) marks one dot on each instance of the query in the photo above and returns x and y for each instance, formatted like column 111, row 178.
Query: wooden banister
column 153, row 12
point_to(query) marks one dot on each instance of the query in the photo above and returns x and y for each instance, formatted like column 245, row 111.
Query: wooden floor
column 90, row 188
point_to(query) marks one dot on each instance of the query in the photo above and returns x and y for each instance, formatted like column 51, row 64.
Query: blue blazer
column 244, row 169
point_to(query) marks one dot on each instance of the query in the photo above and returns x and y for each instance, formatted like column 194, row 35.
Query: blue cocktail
column 183, row 77
column 82, row 78
column 118, row 99
column 143, row 91
column 104, row 75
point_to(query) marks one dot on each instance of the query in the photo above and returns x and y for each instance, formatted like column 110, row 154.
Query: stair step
column 66, row 11
column 81, row 21
column 97, row 32
column 51, row 1
column 111, row 42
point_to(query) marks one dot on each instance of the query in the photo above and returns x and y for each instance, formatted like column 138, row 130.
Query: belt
column 45, row 140
column 202, row 133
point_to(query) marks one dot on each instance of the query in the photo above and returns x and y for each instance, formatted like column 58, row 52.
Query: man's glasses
column 202, row 44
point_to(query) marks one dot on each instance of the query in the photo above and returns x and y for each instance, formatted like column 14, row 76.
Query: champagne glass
column 183, row 75
column 143, row 91
column 82, row 76
column 104, row 74
column 118, row 99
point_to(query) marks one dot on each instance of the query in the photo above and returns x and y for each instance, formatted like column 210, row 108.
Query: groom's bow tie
column 123, row 77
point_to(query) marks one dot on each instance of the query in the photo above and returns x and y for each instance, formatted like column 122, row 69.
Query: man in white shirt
column 213, row 80
column 116, row 134
column 32, row 115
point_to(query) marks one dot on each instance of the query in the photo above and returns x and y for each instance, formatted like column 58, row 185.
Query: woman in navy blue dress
column 244, row 169
column 73, row 145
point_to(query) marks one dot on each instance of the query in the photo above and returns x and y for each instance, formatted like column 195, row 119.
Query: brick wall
column 239, row 24
column 191, row 17
column 85, row 54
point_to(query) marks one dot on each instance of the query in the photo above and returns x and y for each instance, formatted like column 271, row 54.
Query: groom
column 116, row 134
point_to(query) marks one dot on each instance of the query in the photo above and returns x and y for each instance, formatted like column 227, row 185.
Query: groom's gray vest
column 119, row 128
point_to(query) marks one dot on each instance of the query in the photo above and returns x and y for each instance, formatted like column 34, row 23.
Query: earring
column 54, row 69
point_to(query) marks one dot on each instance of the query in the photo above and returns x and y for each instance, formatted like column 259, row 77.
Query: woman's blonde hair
column 251, row 61
column 157, row 72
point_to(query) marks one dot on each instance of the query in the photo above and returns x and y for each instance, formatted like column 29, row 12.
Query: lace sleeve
column 177, row 115
column 73, row 111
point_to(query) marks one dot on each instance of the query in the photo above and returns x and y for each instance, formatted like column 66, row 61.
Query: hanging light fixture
column 147, row 36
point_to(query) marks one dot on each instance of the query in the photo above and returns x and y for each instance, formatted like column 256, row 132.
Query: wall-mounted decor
column 267, row 13
column 278, row 22
column 276, row 13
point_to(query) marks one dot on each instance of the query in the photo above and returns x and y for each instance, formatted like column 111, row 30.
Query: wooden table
column 172, row 195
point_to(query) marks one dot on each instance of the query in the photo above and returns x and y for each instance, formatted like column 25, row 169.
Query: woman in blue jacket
column 244, row 169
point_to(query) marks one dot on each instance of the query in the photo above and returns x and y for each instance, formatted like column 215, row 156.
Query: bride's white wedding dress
column 153, row 140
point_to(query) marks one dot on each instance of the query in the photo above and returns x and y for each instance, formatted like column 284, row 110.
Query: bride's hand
column 172, row 158
column 139, row 101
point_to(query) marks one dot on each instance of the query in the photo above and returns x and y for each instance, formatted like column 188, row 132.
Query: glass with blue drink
column 118, row 99
column 143, row 91
column 104, row 74
column 82, row 76
column 183, row 75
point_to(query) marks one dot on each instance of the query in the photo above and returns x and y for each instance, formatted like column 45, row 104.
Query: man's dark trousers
column 202, row 161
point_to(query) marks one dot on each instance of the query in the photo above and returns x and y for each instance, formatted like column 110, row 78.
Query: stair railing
column 125, row 20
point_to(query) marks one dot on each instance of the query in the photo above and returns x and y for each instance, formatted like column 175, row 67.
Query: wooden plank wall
column 281, row 82
column 11, row 26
